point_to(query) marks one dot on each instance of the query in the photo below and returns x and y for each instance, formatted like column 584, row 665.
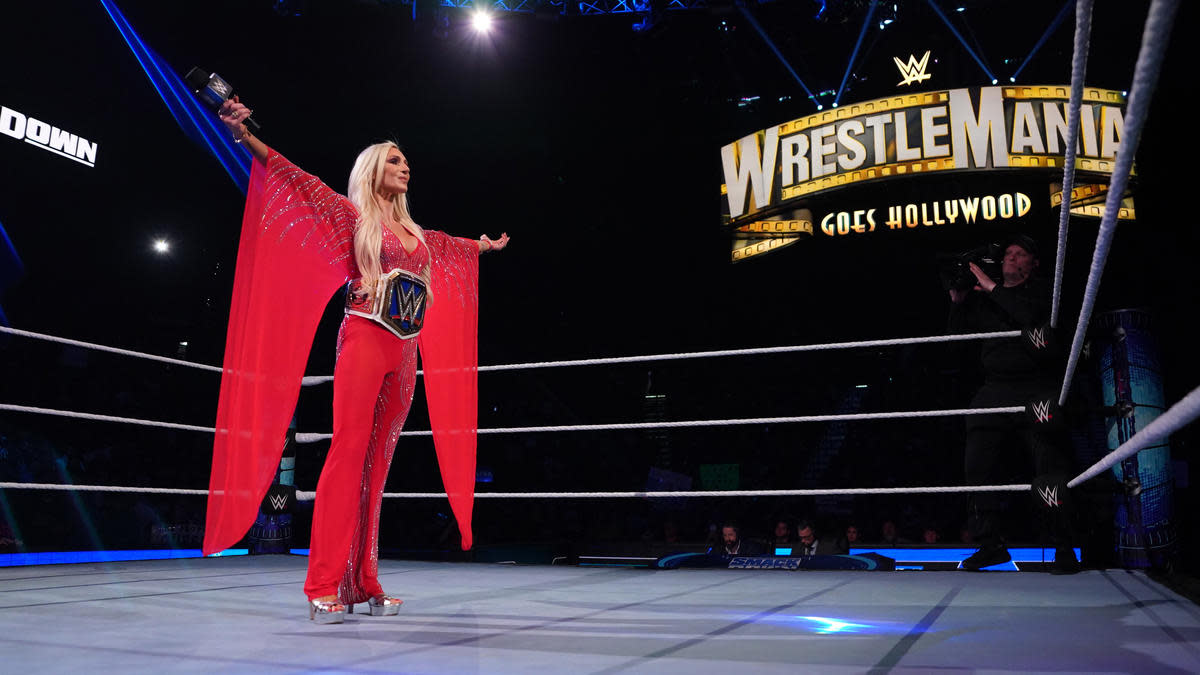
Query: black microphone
column 214, row 91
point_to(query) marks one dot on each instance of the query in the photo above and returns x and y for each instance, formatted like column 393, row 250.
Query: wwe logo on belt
column 407, row 303
column 1049, row 494
column 278, row 502
column 914, row 70
column 1041, row 410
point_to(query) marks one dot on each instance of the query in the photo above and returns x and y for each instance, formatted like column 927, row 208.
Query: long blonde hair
column 365, row 178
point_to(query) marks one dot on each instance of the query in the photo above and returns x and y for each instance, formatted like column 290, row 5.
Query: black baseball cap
column 1024, row 241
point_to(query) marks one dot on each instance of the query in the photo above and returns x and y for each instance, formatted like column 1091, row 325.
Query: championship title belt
column 398, row 303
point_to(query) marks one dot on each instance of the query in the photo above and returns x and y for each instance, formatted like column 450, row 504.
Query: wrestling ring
column 234, row 612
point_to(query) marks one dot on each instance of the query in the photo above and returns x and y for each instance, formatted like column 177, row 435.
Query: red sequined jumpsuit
column 295, row 251
column 373, row 386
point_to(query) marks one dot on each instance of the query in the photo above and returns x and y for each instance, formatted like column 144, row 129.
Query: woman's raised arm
column 233, row 114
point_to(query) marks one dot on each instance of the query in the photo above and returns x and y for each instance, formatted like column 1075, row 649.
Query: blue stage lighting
column 1062, row 13
column 11, row 267
column 862, row 32
column 198, row 123
column 946, row 20
column 64, row 557
column 778, row 54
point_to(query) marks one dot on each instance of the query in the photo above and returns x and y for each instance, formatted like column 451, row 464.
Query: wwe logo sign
column 914, row 70
column 278, row 502
column 1037, row 337
column 1049, row 494
column 1041, row 411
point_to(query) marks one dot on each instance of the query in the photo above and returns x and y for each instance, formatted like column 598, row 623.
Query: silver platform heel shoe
column 382, row 605
column 326, row 611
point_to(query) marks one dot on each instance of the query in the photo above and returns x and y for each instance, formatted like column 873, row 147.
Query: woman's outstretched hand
column 486, row 244
column 233, row 114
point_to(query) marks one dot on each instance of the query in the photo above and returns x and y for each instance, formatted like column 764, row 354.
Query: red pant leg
column 358, row 377
column 361, row 579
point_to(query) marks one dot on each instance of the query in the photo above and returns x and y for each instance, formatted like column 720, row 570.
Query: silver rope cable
column 104, row 348
column 103, row 418
column 99, row 488
column 1083, row 34
column 1155, row 433
column 313, row 437
column 308, row 496
column 890, row 342
column 620, row 426
column 1149, row 64
column 317, row 379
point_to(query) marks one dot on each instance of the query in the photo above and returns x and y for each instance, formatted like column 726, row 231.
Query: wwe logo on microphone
column 1049, row 494
column 278, row 502
column 1041, row 411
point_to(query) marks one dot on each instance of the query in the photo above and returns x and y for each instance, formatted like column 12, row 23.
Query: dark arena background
column 599, row 136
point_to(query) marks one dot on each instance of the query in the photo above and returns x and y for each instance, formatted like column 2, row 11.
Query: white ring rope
column 307, row 496
column 312, row 438
column 1145, row 78
column 891, row 342
column 1083, row 34
column 317, row 379
column 1155, row 433
column 99, row 488
column 104, row 348
column 103, row 418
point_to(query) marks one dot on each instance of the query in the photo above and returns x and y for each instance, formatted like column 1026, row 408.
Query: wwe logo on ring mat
column 1038, row 337
column 1041, row 410
column 278, row 501
column 914, row 70
column 1049, row 494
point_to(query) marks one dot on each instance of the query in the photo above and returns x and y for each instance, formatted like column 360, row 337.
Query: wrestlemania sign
column 779, row 181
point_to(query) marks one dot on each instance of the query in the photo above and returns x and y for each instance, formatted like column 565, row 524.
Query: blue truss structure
column 581, row 8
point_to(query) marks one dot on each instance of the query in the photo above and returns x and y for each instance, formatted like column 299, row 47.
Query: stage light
column 162, row 246
column 995, row 81
column 482, row 21
column 1012, row 79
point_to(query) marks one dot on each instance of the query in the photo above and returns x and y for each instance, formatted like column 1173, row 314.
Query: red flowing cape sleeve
column 449, row 357
column 295, row 250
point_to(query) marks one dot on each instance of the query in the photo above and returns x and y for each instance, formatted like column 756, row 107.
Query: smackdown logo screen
column 21, row 127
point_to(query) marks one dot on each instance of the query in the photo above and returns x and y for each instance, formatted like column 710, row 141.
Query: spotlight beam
column 766, row 38
column 946, row 20
column 1062, row 13
column 854, row 55
column 196, row 122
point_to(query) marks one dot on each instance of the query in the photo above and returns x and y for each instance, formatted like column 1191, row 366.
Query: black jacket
column 1005, row 308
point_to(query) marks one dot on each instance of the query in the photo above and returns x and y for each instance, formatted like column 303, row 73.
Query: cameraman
column 1012, row 376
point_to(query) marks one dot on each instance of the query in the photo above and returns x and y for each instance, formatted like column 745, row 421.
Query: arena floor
column 244, row 614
